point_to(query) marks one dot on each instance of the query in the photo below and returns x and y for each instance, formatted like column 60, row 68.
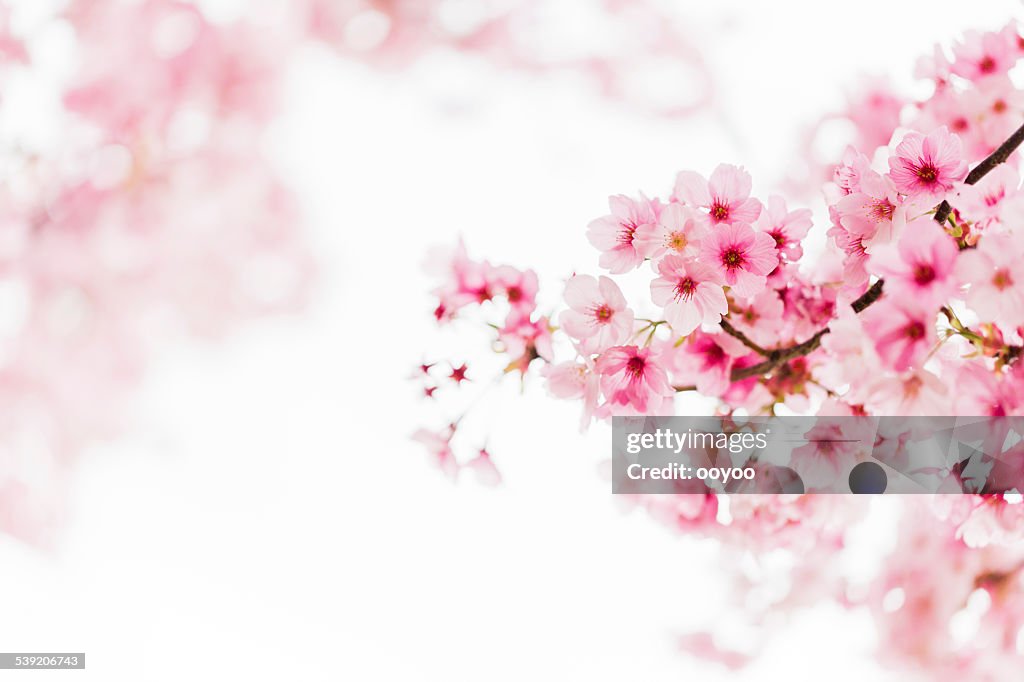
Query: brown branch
column 1000, row 155
column 742, row 338
column 780, row 355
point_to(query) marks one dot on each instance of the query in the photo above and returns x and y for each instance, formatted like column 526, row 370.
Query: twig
column 1001, row 154
column 743, row 338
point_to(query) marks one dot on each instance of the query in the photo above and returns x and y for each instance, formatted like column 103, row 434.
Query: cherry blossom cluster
column 972, row 95
column 529, row 36
column 522, row 337
column 911, row 305
column 145, row 211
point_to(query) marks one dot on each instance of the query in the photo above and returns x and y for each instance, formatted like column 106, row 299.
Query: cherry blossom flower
column 915, row 393
column 902, row 332
column 706, row 361
column 742, row 257
column 575, row 380
column 613, row 234
column 928, row 165
column 482, row 467
column 994, row 274
column 519, row 287
column 760, row 317
column 848, row 173
column 597, row 311
column 525, row 340
column 875, row 201
column 920, row 266
column 985, row 201
column 726, row 195
column 438, row 445
column 679, row 230
column 979, row 391
column 632, row 377
column 980, row 55
column 787, row 228
column 690, row 292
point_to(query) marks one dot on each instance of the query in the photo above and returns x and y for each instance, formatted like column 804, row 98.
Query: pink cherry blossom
column 902, row 332
column 915, row 393
column 848, row 173
column 613, row 234
column 994, row 275
column 726, row 195
column 575, row 380
column 483, row 469
column 597, row 311
column 438, row 445
column 679, row 230
column 986, row 200
column 525, row 340
column 742, row 257
column 518, row 286
column 980, row 391
column 982, row 54
column 920, row 266
column 786, row 227
column 760, row 317
column 706, row 361
column 690, row 292
column 875, row 201
column 928, row 165
column 632, row 377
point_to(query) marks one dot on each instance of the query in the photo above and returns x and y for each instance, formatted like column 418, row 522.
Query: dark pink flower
column 742, row 257
column 631, row 376
column 928, row 166
column 726, row 196
column 613, row 234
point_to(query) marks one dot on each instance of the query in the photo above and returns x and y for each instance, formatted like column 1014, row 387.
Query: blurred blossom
column 153, row 214
column 140, row 206
column 639, row 52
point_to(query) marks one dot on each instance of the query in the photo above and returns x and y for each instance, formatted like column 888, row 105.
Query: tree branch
column 1000, row 155
column 743, row 338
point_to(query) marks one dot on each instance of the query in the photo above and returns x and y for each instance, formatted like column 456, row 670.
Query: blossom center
column 914, row 330
column 514, row 294
column 626, row 233
column 912, row 386
column 882, row 209
column 999, row 106
column 1002, row 279
column 635, row 366
column 924, row 274
column 677, row 241
column 719, row 211
column 685, row 288
column 987, row 65
column 927, row 174
column 780, row 239
column 733, row 259
column 603, row 313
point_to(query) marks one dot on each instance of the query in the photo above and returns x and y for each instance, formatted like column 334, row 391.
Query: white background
column 267, row 516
